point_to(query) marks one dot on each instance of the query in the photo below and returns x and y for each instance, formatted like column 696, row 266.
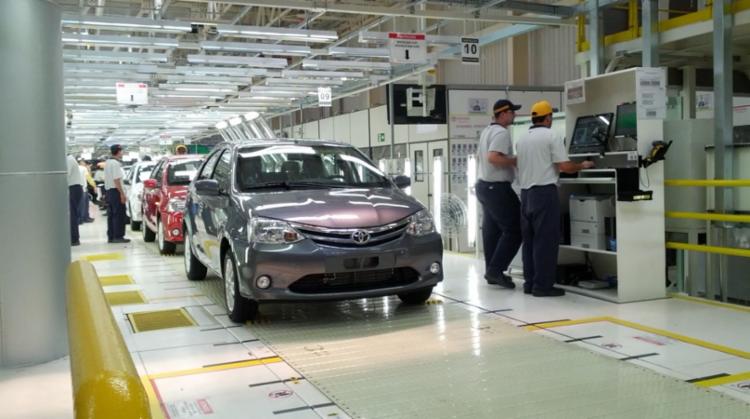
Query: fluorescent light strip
column 125, row 23
column 185, row 87
column 323, row 74
column 248, row 61
column 230, row 71
column 133, row 41
column 268, row 49
column 360, row 52
column 283, row 34
column 305, row 82
column 213, row 80
column 90, row 55
column 337, row 64
column 137, row 68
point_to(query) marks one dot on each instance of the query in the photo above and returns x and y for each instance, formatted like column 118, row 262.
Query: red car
column 164, row 200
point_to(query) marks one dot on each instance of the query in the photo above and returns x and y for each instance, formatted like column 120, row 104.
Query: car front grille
column 354, row 281
column 343, row 237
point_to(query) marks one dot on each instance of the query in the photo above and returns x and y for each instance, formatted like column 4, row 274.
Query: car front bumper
column 307, row 271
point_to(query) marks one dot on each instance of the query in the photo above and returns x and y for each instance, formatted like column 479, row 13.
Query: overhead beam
column 538, row 8
column 464, row 14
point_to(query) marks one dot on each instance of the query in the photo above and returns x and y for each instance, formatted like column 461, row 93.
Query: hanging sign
column 575, row 92
column 132, row 93
column 324, row 96
column 407, row 48
column 470, row 50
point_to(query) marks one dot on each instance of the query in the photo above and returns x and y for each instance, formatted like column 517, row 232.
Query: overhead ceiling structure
column 204, row 62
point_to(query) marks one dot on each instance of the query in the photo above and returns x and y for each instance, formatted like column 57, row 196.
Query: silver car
column 306, row 221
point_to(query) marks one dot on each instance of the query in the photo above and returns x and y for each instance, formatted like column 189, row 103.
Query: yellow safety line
column 214, row 368
column 698, row 300
column 102, row 256
column 724, row 380
column 708, row 182
column 107, row 278
column 153, row 400
column 648, row 329
column 184, row 312
column 729, row 251
column 735, row 218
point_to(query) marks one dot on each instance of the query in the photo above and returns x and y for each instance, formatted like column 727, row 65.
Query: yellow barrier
column 105, row 381
column 733, row 218
column 727, row 183
column 729, row 251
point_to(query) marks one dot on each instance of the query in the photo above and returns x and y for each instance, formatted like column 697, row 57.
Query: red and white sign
column 407, row 48
column 132, row 93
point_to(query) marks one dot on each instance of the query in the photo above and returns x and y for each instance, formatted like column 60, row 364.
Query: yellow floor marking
column 119, row 298
column 724, row 380
column 102, row 256
column 711, row 303
column 154, row 300
column 648, row 329
column 144, row 321
column 214, row 368
column 153, row 399
column 116, row 280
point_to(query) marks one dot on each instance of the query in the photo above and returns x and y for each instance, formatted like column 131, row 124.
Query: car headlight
column 176, row 205
column 420, row 224
column 269, row 231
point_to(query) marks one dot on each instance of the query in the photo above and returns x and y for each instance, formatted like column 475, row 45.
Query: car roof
column 174, row 158
column 285, row 141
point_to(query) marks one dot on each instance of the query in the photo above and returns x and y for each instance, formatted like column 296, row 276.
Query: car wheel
column 148, row 235
column 165, row 247
column 194, row 269
column 239, row 308
column 134, row 225
column 416, row 297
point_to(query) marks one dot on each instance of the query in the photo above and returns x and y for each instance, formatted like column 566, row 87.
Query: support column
column 650, row 33
column 723, row 122
column 596, row 40
column 688, row 92
column 35, row 229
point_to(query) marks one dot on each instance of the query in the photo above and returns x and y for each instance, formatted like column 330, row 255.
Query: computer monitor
column 627, row 122
column 591, row 133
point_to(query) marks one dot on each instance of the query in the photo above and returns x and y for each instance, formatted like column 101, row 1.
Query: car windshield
column 305, row 166
column 182, row 172
column 144, row 172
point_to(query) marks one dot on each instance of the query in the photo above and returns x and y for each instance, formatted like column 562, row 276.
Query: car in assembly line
column 164, row 200
column 284, row 221
column 133, row 186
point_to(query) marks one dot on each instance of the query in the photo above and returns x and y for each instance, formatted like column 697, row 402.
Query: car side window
column 208, row 168
column 222, row 171
column 158, row 172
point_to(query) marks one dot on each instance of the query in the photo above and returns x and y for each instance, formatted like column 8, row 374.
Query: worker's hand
column 588, row 164
column 123, row 198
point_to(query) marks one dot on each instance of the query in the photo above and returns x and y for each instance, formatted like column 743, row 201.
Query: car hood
column 333, row 208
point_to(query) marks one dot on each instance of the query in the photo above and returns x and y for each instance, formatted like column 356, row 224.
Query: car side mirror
column 207, row 187
column 149, row 184
column 402, row 181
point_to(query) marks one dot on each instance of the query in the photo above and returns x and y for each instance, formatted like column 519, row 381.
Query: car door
column 199, row 213
column 216, row 207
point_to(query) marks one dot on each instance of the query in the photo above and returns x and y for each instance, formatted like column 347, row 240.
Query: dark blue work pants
column 74, row 202
column 83, row 211
column 501, row 225
column 540, row 224
column 115, row 215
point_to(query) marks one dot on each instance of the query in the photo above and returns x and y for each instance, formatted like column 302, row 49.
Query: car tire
column 194, row 269
column 165, row 247
column 416, row 297
column 239, row 308
column 148, row 235
column 134, row 225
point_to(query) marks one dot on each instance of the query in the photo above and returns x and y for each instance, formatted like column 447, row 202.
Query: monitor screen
column 626, row 123
column 591, row 134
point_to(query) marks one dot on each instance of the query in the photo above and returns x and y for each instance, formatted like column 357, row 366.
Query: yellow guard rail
column 105, row 381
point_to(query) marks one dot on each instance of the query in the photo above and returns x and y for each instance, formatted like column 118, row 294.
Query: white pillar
column 35, row 230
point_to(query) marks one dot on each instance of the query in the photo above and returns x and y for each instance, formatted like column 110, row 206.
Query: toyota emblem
column 360, row 237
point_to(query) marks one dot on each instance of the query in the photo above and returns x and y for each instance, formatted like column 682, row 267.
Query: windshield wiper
column 268, row 185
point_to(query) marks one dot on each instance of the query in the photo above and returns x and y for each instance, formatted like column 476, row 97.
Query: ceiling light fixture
column 82, row 39
column 267, row 49
column 279, row 34
column 125, row 23
column 248, row 61
column 360, row 52
column 338, row 64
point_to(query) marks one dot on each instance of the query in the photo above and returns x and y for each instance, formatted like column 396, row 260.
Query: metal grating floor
column 380, row 359
column 119, row 298
column 162, row 319
column 116, row 280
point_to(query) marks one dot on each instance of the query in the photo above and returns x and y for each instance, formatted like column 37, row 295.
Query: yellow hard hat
column 542, row 108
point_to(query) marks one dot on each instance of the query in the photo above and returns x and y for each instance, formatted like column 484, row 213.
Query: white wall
column 341, row 128
column 326, row 129
column 310, row 130
column 552, row 56
column 359, row 129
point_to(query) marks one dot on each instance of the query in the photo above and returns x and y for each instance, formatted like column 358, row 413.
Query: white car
column 134, row 189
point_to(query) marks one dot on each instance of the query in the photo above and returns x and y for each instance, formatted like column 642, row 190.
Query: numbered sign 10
column 470, row 50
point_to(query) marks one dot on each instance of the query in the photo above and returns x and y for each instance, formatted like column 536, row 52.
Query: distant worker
column 83, row 213
column 113, row 178
column 541, row 157
column 501, row 224
column 75, row 191
column 181, row 149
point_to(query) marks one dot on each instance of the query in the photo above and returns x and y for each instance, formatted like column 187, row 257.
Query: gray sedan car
column 306, row 221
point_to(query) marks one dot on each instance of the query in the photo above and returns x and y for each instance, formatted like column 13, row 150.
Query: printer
column 592, row 220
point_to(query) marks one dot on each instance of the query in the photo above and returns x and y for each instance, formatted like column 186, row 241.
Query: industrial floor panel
column 382, row 359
